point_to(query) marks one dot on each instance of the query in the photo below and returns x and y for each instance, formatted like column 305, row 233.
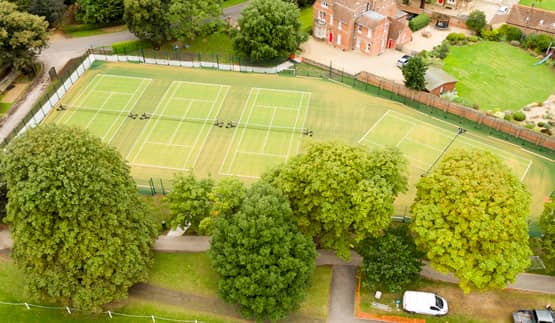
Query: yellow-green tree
column 470, row 216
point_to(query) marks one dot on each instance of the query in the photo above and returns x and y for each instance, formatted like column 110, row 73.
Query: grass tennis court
column 168, row 120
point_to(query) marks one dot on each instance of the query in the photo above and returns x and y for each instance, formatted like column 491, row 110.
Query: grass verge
column 489, row 306
column 545, row 4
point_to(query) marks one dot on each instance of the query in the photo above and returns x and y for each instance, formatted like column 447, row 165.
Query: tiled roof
column 370, row 19
column 395, row 28
column 436, row 77
column 528, row 17
column 343, row 14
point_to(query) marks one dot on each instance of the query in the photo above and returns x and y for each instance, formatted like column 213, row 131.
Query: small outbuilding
column 438, row 81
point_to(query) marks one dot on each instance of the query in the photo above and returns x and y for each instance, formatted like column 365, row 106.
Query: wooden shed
column 438, row 81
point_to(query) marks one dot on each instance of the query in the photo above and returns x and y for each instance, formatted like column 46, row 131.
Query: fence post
column 162, row 186
column 330, row 69
column 217, row 62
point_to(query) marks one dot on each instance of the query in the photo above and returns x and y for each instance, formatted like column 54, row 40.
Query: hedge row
column 419, row 22
column 130, row 45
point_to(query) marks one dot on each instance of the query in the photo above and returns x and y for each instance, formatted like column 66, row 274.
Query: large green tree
column 547, row 223
column 341, row 194
column 100, row 11
column 22, row 37
column 269, row 29
column 263, row 262
column 148, row 20
column 470, row 216
column 51, row 10
column 189, row 201
column 189, row 18
column 390, row 262
column 476, row 21
column 81, row 234
column 414, row 73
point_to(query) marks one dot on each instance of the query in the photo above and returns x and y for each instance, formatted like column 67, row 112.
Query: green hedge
column 124, row 47
column 85, row 27
column 519, row 116
column 419, row 22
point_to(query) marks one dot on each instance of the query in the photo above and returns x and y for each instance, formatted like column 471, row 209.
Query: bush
column 546, row 131
column 419, row 22
column 519, row 116
column 492, row 35
column 538, row 42
column 476, row 21
column 130, row 45
column 541, row 124
column 472, row 38
column 508, row 116
column 510, row 33
column 85, row 27
column 454, row 37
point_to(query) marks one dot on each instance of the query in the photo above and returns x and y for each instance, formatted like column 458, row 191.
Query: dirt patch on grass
column 14, row 93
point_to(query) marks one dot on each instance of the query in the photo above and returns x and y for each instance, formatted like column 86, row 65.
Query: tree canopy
column 22, row 37
column 392, row 261
column 341, row 194
column 100, row 11
column 547, row 223
column 476, row 21
column 470, row 216
column 148, row 20
column 189, row 18
column 263, row 262
column 81, row 234
column 414, row 73
column 189, row 202
column 269, row 29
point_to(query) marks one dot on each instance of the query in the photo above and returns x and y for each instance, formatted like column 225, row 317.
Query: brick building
column 532, row 20
column 369, row 26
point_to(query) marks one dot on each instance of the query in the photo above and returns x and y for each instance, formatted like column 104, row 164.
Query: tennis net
column 137, row 115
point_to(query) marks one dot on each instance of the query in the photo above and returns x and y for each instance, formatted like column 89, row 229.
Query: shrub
column 510, row 33
column 419, row 22
column 130, row 45
column 538, row 42
column 492, row 35
column 476, row 20
column 541, row 124
column 475, row 106
column 508, row 116
column 472, row 38
column 454, row 37
column 519, row 116
column 546, row 131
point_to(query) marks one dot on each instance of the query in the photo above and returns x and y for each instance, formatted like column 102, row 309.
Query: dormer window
column 324, row 4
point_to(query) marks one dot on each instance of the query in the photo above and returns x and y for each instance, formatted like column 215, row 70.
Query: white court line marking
column 119, row 92
column 261, row 154
column 278, row 107
column 125, row 77
column 279, row 90
column 94, row 81
column 200, row 83
column 292, row 136
column 131, row 109
column 199, row 133
column 100, row 77
column 243, row 132
column 166, row 144
column 234, row 133
column 193, row 100
column 424, row 145
column 97, row 111
column 227, row 87
column 158, row 166
column 265, row 142
column 176, row 130
column 304, row 122
column 240, row 175
column 405, row 136
column 148, row 123
column 526, row 171
column 373, row 126
column 149, row 135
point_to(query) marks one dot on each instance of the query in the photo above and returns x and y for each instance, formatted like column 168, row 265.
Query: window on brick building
column 359, row 29
column 324, row 4
column 368, row 46
column 339, row 25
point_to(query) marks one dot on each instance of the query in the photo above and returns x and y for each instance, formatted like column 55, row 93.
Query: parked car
column 424, row 303
column 533, row 316
column 403, row 61
column 502, row 10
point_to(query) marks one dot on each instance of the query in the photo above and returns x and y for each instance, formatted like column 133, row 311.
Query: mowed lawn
column 498, row 76
column 188, row 273
column 543, row 4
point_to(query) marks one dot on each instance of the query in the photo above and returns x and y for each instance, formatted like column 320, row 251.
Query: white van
column 424, row 303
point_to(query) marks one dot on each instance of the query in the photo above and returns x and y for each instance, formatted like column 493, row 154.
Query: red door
column 390, row 43
column 330, row 37
column 440, row 1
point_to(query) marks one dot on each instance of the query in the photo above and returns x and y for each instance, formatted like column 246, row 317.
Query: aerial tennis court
column 169, row 120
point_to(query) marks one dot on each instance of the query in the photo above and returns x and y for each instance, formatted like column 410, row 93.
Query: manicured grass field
column 183, row 104
column 498, row 76
column 476, row 307
column 543, row 4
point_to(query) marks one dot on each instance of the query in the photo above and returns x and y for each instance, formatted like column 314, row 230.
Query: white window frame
column 324, row 4
column 368, row 46
column 451, row 2
column 359, row 29
column 339, row 25
column 331, row 20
